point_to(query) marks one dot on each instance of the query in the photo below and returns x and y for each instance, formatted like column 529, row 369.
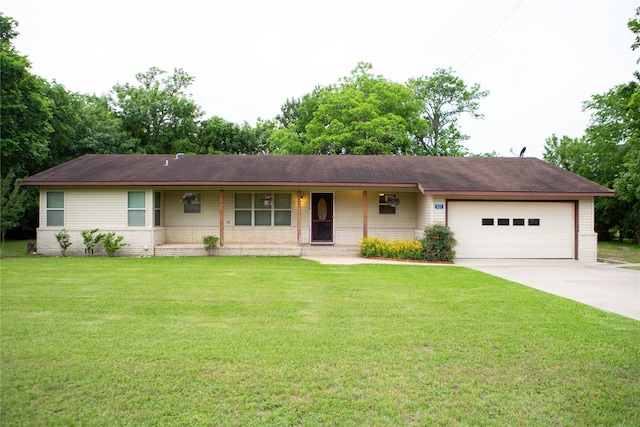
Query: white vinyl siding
column 405, row 217
column 174, row 215
column 103, row 207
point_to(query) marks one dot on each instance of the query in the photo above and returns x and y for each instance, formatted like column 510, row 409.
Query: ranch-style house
column 285, row 205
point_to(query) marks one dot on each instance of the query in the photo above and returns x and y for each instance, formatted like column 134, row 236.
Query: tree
column 362, row 114
column 102, row 130
column 218, row 136
column 158, row 112
column 13, row 206
column 608, row 155
column 444, row 99
column 25, row 110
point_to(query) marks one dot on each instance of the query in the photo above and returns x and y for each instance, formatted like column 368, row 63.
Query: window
column 157, row 203
column 534, row 222
column 136, row 208
column 195, row 205
column 384, row 204
column 253, row 209
column 282, row 209
column 55, row 208
column 518, row 221
column 503, row 221
column 487, row 221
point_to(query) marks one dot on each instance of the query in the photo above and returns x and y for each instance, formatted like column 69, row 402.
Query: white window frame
column 384, row 208
column 258, row 206
column 55, row 209
column 190, row 208
column 133, row 209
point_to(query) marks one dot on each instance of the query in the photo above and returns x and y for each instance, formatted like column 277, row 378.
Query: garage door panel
column 552, row 238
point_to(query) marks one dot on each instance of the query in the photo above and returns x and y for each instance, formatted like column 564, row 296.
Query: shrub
column 210, row 243
column 90, row 239
column 438, row 243
column 111, row 243
column 399, row 248
column 64, row 241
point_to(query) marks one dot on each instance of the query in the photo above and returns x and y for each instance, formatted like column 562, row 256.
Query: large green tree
column 158, row 111
column 25, row 109
column 219, row 136
column 444, row 98
column 361, row 114
column 608, row 155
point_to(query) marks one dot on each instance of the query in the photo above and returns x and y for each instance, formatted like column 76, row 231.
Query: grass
column 285, row 341
column 620, row 252
column 14, row 248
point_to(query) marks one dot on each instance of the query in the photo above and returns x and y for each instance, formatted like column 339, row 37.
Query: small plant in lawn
column 64, row 241
column 91, row 239
column 210, row 243
column 438, row 243
column 111, row 243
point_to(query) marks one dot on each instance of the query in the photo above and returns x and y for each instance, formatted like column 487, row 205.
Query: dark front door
column 322, row 218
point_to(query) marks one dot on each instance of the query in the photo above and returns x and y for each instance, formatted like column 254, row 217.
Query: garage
column 519, row 229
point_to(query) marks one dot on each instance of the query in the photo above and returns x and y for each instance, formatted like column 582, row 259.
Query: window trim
column 256, row 208
column 383, row 204
column 157, row 209
column 136, row 209
column 55, row 209
column 196, row 203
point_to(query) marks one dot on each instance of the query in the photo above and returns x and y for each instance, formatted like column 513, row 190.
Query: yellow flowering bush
column 382, row 248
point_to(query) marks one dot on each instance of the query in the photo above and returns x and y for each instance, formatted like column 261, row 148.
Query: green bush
column 90, row 239
column 111, row 243
column 210, row 242
column 398, row 249
column 64, row 241
column 438, row 243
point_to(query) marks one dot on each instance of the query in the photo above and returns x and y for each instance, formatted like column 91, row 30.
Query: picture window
column 252, row 209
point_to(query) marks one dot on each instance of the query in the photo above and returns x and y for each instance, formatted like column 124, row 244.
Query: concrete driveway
column 601, row 285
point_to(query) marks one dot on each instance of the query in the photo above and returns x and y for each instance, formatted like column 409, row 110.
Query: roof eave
column 216, row 184
column 521, row 193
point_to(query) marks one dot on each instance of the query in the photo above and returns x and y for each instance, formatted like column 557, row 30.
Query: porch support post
column 221, row 217
column 299, row 226
column 365, row 214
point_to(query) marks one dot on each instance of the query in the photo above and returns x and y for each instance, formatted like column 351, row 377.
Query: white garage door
column 512, row 229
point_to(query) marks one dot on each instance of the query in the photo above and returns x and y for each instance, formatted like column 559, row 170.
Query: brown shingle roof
column 436, row 175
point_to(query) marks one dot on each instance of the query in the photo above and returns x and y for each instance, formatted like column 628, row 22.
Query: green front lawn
column 285, row 341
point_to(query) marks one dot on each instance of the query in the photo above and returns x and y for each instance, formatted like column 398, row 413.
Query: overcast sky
column 540, row 59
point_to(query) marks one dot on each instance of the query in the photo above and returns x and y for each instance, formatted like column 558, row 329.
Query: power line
column 490, row 34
